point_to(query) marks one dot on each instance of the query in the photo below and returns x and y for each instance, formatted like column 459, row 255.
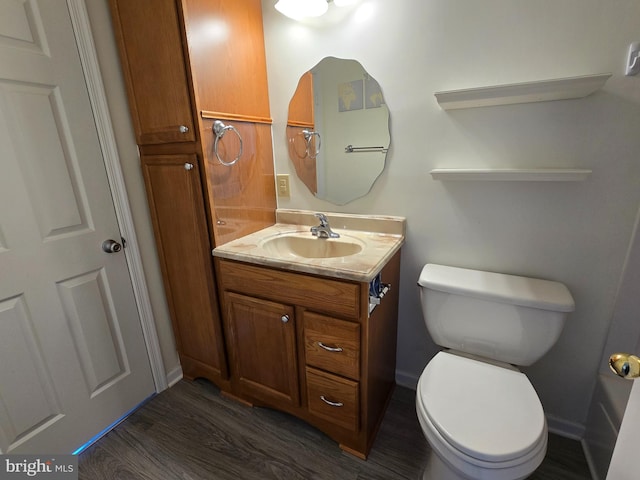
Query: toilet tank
column 501, row 317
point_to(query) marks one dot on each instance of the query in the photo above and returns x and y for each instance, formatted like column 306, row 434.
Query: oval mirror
column 338, row 130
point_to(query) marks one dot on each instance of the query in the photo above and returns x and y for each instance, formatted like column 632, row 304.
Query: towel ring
column 308, row 136
column 219, row 129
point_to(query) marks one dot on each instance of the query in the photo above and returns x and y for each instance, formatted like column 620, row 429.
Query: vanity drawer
column 332, row 344
column 332, row 398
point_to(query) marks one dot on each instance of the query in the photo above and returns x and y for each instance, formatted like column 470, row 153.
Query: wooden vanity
column 307, row 343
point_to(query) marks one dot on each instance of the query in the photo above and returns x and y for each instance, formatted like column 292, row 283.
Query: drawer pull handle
column 329, row 349
column 329, row 402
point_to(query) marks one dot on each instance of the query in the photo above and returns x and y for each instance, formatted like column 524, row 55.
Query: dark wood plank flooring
column 192, row 432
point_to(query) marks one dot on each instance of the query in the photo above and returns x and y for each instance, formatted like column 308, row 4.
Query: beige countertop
column 380, row 237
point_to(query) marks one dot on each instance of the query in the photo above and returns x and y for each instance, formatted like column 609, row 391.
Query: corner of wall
column 406, row 379
column 564, row 428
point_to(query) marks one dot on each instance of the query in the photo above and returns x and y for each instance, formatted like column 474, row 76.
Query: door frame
column 93, row 79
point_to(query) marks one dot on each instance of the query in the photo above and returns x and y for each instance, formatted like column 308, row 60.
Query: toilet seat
column 480, row 416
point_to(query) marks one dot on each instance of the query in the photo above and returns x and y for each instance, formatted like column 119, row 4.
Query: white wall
column 576, row 233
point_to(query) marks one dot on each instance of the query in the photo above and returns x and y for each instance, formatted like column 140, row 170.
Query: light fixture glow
column 344, row 3
column 299, row 9
column 364, row 12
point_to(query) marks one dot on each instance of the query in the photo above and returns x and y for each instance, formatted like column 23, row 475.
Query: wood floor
column 192, row 432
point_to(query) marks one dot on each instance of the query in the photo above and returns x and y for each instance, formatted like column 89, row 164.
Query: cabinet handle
column 188, row 166
column 329, row 402
column 329, row 349
column 284, row 318
column 183, row 129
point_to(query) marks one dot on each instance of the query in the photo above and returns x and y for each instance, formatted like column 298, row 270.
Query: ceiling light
column 299, row 9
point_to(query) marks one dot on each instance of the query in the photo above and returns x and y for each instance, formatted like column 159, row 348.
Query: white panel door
column 624, row 462
column 72, row 354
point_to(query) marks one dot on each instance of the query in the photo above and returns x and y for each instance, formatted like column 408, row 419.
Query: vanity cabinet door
column 153, row 63
column 174, row 193
column 262, row 346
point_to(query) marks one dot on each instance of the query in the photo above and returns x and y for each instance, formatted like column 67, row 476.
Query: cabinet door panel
column 263, row 349
column 153, row 64
column 175, row 199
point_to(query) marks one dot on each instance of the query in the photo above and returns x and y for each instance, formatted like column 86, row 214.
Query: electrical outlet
column 282, row 182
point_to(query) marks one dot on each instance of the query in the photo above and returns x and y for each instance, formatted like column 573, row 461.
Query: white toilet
column 479, row 413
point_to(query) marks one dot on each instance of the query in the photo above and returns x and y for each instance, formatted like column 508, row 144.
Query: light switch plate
column 282, row 183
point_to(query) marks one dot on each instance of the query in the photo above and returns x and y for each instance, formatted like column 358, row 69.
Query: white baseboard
column 406, row 379
column 564, row 428
column 174, row 376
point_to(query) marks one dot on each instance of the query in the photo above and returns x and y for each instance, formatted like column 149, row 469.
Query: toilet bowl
column 481, row 420
column 480, row 415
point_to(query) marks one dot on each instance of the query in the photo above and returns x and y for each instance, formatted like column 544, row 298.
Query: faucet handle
column 323, row 219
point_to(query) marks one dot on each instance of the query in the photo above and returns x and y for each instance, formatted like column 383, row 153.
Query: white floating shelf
column 511, row 174
column 539, row 91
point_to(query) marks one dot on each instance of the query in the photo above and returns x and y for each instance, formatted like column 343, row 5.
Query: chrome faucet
column 323, row 230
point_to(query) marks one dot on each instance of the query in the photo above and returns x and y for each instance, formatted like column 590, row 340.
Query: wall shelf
column 527, row 92
column 511, row 174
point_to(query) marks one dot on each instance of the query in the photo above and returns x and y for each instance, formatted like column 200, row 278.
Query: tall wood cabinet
column 186, row 64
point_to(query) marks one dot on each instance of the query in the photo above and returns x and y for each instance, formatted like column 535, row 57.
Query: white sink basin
column 303, row 244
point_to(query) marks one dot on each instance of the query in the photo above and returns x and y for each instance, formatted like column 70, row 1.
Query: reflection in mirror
column 338, row 130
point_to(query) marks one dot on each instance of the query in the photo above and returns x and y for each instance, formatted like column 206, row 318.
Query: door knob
column 111, row 246
column 625, row 365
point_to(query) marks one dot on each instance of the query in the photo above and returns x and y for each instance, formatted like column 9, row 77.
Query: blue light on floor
column 97, row 437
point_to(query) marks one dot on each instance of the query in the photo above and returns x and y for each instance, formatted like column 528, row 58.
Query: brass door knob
column 625, row 365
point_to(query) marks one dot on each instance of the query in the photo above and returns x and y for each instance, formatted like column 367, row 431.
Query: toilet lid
column 487, row 412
